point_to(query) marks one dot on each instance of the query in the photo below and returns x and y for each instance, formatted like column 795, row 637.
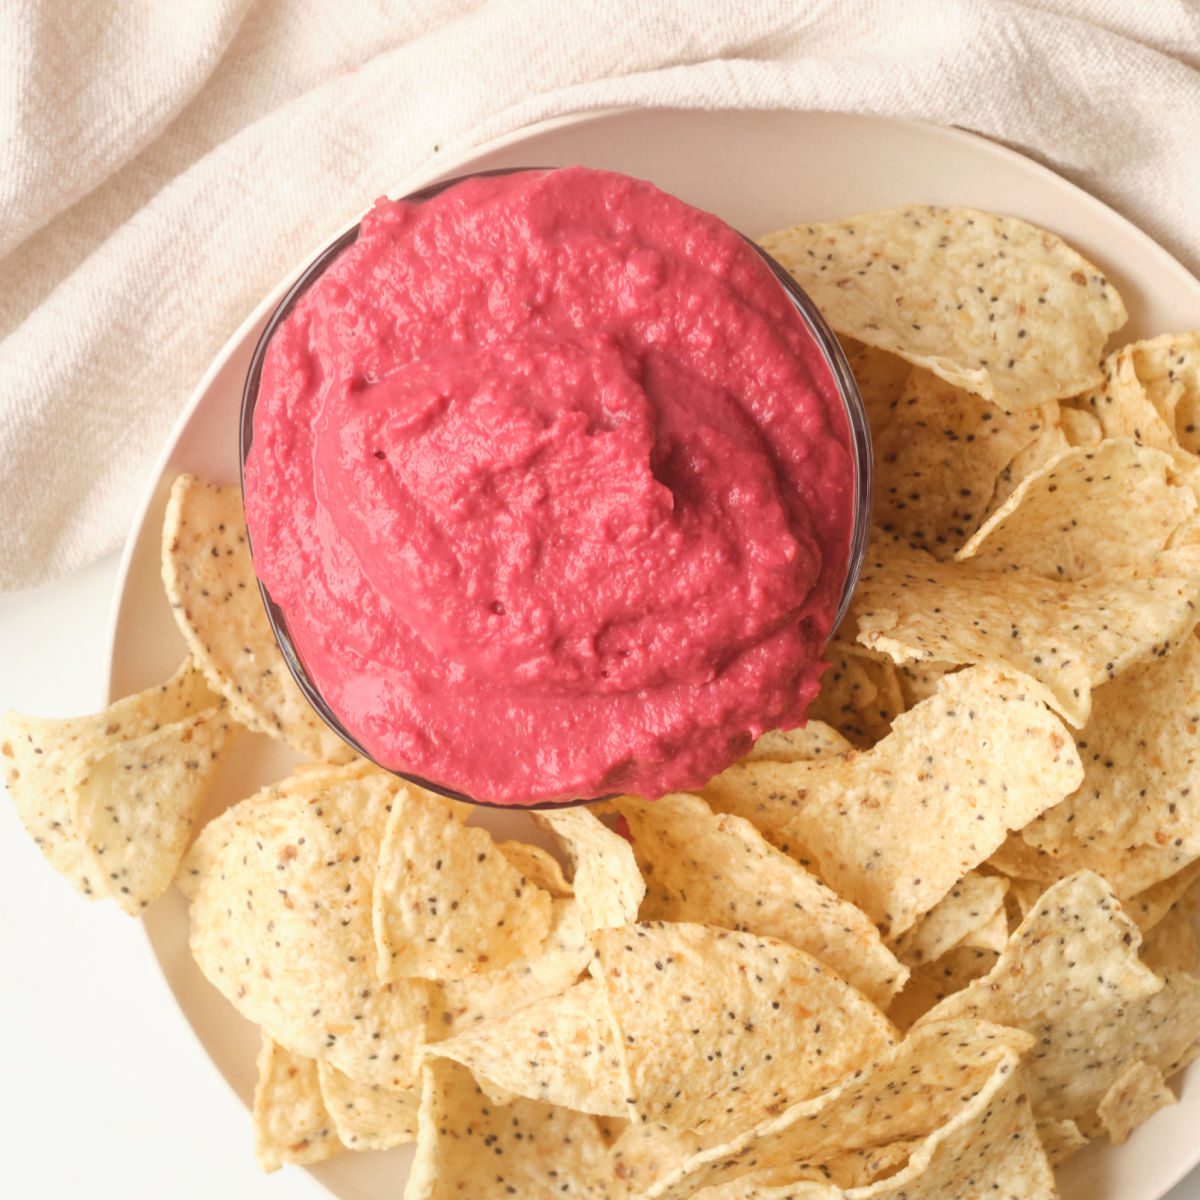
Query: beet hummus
column 554, row 489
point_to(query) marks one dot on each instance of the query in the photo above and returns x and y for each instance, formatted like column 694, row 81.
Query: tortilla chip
column 1149, row 907
column 919, row 680
column 367, row 1116
column 915, row 1089
column 861, row 1168
column 1136, row 1095
column 860, row 694
column 1151, row 392
column 447, row 903
column 210, row 582
column 763, row 790
column 1071, row 976
column 991, row 935
column 538, row 866
column 1089, row 511
column 930, row 984
column 1069, row 637
column 968, row 906
column 981, row 757
column 1025, row 323
column 718, row 1029
column 469, row 1147
column 562, row 1050
column 1080, row 428
column 719, row 870
column 281, row 925
column 459, row 1004
column 1136, row 815
column 1061, row 1140
column 991, row 1148
column 880, row 377
column 291, row 1123
column 605, row 878
column 1172, row 944
column 645, row 1153
column 38, row 755
column 134, row 804
column 1045, row 447
column 814, row 740
column 938, row 456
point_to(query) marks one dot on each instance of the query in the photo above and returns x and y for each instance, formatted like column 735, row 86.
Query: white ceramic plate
column 760, row 171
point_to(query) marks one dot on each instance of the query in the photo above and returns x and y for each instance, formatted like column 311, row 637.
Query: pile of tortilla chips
column 928, row 946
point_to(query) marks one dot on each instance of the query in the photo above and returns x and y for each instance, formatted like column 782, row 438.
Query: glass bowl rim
column 822, row 334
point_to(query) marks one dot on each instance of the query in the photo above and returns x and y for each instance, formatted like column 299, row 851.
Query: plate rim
column 432, row 172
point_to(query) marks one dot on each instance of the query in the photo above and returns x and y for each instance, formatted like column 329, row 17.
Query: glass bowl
column 831, row 350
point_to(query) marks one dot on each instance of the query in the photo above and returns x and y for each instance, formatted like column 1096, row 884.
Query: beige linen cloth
column 163, row 163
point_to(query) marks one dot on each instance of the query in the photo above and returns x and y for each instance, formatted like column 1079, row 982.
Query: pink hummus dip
column 554, row 489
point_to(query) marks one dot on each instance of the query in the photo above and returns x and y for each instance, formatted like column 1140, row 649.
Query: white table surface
column 104, row 1091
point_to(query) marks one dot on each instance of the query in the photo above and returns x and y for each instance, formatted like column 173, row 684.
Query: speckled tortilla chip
column 648, row 1152
column 991, row 1148
column 210, row 582
column 1061, row 1140
column 1151, row 392
column 919, row 680
column 1136, row 815
column 1169, row 369
column 915, row 1089
column 967, row 907
column 539, row 867
column 562, row 1050
column 815, row 740
column 291, row 1122
column 447, row 902
column 459, row 1004
column 1024, row 321
column 367, row 1116
column 860, row 694
column 1172, row 944
column 1071, row 976
column 991, row 935
column 1069, row 637
column 938, row 456
column 134, row 803
column 880, row 377
column 1135, row 1096
column 1079, row 427
column 717, row 869
column 894, row 828
column 1048, row 445
column 768, row 792
column 38, row 754
column 718, row 1029
column 930, row 984
column 1149, row 907
column 1023, row 864
column 861, row 1168
column 1088, row 511
column 469, row 1147
column 605, row 877
column 280, row 888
